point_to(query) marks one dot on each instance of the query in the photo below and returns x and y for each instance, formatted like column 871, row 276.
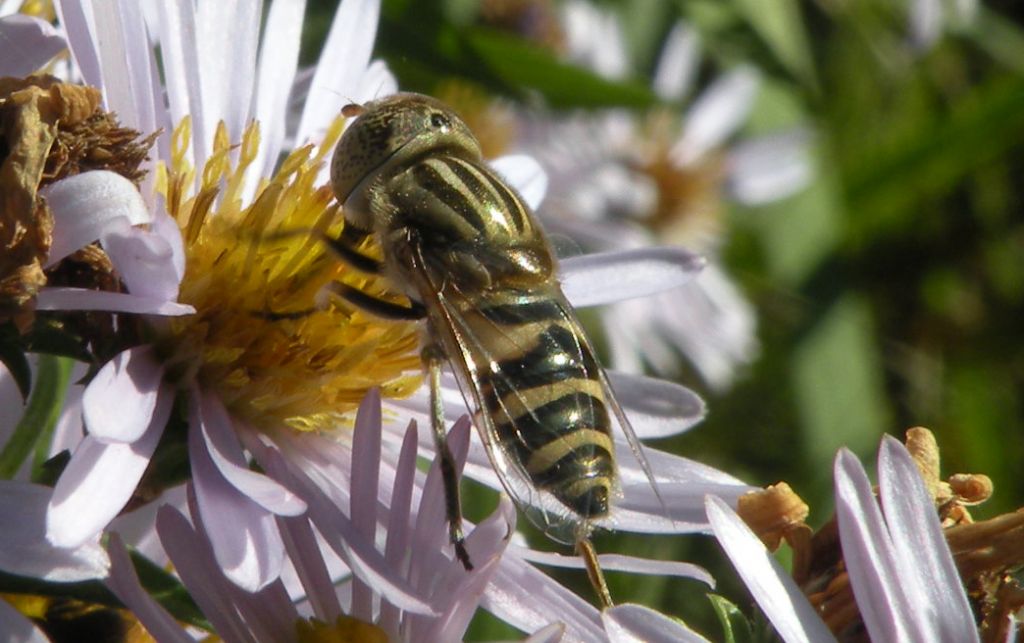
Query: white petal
column 608, row 277
column 622, row 563
column 925, row 22
column 144, row 260
column 17, row 627
column 639, row 624
column 770, row 168
column 24, row 549
column 125, row 585
column 244, row 536
column 227, row 36
column 781, row 600
column 656, row 408
column 551, row 634
column 870, row 557
column 524, row 597
column 94, row 487
column 119, row 404
column 279, row 56
column 377, row 82
column 28, row 44
column 678, row 63
column 939, row 600
column 117, row 302
column 525, row 174
column 343, row 60
column 225, row 452
column 85, row 205
column 716, row 114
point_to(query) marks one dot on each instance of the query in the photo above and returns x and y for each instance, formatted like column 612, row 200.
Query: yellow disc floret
column 265, row 338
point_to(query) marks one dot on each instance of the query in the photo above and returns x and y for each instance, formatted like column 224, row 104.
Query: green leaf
column 520, row 63
column 44, row 407
column 12, row 355
column 167, row 590
column 837, row 377
column 780, row 26
column 999, row 37
column 735, row 626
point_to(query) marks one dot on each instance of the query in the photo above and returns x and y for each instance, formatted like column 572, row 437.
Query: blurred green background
column 889, row 294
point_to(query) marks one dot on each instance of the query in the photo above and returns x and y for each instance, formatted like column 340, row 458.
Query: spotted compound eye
column 439, row 121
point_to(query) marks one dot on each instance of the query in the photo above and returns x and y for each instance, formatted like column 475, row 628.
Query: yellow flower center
column 264, row 337
column 345, row 630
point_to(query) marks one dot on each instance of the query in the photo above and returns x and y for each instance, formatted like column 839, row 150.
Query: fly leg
column 432, row 356
column 586, row 549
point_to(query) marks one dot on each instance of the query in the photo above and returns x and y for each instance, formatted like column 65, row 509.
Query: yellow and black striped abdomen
column 541, row 386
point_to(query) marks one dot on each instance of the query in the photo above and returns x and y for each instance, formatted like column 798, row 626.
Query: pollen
column 265, row 337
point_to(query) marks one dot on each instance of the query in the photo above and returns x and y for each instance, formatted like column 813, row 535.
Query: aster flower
column 264, row 363
column 385, row 499
column 621, row 181
column 896, row 557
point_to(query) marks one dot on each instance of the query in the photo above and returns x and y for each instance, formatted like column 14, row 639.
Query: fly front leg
column 432, row 356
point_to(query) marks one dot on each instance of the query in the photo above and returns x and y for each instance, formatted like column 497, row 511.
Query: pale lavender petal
column 225, row 451
column 928, row 572
column 17, row 627
column 194, row 562
column 770, row 168
column 608, row 277
column 304, row 553
column 167, row 227
column 678, row 63
column 119, row 404
column 870, row 558
column 343, row 60
column 28, row 43
column 76, row 17
column 463, row 591
column 398, row 532
column 138, row 527
column 144, row 260
column 524, row 597
column 525, row 174
column 244, row 536
column 716, row 114
column 361, row 556
column 365, row 477
column 97, row 483
column 639, row 624
column 551, row 634
column 85, row 206
column 124, row 583
column 622, row 563
column 24, row 549
column 781, row 600
column 115, row 302
column 656, row 408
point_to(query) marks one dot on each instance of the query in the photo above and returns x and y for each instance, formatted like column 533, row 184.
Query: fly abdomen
column 547, row 402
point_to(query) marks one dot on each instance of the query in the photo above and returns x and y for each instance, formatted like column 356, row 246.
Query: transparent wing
column 471, row 353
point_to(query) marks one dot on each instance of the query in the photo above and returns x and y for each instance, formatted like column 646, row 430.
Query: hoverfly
column 476, row 266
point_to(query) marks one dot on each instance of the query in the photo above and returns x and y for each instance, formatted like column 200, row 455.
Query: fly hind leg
column 586, row 550
column 432, row 356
